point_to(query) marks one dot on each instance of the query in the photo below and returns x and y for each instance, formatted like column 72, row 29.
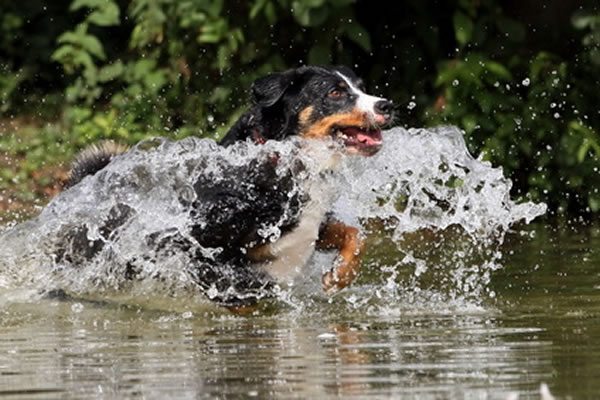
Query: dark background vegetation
column 520, row 77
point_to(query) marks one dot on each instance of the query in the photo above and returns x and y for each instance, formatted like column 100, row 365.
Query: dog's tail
column 93, row 159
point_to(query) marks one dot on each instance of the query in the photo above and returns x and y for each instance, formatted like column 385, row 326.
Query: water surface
column 540, row 324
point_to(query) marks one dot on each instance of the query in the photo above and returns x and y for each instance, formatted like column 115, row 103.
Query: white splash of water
column 428, row 179
column 437, row 212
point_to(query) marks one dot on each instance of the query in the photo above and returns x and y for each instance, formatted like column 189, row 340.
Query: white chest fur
column 293, row 250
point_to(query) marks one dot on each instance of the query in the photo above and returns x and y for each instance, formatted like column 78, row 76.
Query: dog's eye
column 335, row 93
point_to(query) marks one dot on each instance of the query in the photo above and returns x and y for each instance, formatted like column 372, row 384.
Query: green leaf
column 594, row 203
column 270, row 13
column 92, row 45
column 107, row 16
column 142, row 67
column 463, row 28
column 214, row 7
column 87, row 42
column 155, row 81
column 582, row 20
column 583, row 149
column 78, row 4
column 63, row 53
column 498, row 69
column 214, row 32
column 223, row 57
column 257, row 6
column 111, row 71
column 209, row 37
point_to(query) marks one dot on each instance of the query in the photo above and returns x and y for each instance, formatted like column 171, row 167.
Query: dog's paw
column 330, row 282
column 343, row 273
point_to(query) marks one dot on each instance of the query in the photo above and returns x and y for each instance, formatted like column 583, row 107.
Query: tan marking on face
column 322, row 128
column 305, row 115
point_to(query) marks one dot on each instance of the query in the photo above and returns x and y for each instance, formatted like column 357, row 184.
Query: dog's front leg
column 339, row 236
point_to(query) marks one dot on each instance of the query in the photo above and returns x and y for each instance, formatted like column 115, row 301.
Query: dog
column 314, row 103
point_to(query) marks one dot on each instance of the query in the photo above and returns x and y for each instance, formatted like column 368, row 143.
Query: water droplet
column 455, row 82
column 212, row 292
column 526, row 82
column 77, row 307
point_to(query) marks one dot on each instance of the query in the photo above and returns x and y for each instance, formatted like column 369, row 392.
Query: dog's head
column 319, row 103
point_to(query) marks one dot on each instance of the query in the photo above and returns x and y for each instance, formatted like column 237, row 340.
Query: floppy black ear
column 268, row 90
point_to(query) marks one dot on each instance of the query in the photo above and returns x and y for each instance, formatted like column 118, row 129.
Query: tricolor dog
column 316, row 104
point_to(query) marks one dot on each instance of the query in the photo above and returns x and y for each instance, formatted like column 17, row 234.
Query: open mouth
column 366, row 141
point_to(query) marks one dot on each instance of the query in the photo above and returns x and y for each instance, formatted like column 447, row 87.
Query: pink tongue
column 369, row 140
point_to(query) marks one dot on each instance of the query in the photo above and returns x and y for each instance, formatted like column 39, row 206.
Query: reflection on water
column 542, row 326
column 122, row 352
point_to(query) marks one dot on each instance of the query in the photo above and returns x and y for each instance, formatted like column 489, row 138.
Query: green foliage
column 590, row 24
column 536, row 115
column 80, row 52
column 126, row 70
column 186, row 60
column 9, row 80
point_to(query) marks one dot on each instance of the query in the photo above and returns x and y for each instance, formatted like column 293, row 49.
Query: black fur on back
column 231, row 209
column 228, row 213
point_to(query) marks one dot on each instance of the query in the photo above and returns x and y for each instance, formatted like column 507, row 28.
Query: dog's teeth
column 341, row 135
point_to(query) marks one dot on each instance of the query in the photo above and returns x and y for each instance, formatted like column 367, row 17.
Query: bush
column 534, row 113
column 129, row 69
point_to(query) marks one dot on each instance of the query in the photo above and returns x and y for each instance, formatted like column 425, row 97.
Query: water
column 429, row 204
column 459, row 297
column 543, row 326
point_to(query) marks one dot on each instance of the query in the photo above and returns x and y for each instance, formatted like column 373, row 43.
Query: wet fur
column 294, row 103
column 233, row 207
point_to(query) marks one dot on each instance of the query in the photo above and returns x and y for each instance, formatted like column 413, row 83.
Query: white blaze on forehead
column 364, row 102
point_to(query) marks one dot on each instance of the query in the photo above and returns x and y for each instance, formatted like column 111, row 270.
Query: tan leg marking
column 344, row 238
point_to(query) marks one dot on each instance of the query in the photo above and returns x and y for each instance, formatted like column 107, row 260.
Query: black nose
column 384, row 107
